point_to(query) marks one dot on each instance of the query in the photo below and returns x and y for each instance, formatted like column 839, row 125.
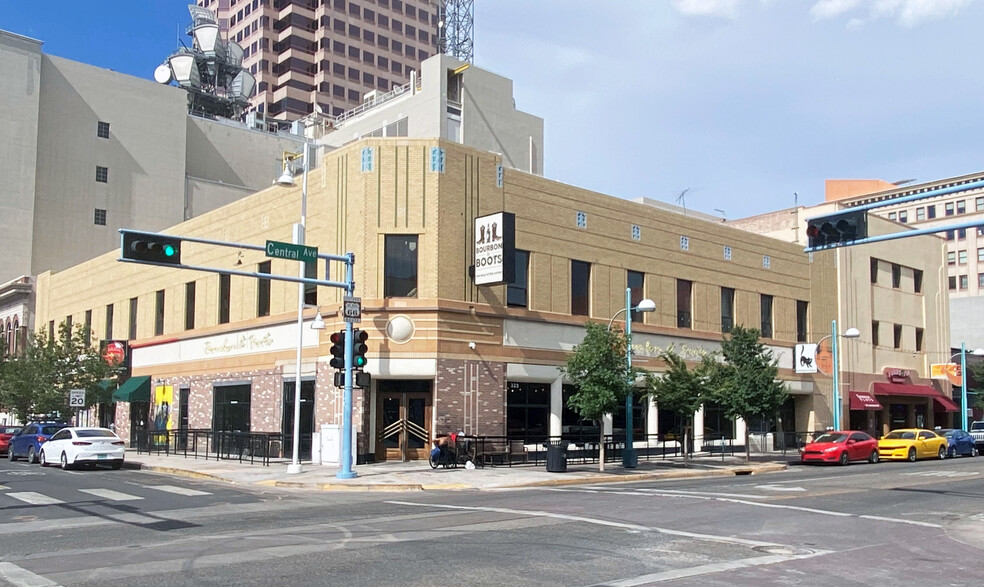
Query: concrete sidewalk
column 418, row 476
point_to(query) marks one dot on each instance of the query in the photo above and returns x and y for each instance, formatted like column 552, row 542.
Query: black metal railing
column 246, row 447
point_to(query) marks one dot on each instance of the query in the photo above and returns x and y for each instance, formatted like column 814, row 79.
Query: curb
column 173, row 471
column 753, row 470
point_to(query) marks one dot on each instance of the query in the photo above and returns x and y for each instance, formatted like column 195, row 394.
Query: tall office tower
column 326, row 55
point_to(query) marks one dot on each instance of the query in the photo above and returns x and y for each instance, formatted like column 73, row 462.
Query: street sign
column 351, row 309
column 291, row 252
column 76, row 398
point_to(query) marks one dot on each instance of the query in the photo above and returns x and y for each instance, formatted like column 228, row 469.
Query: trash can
column 556, row 457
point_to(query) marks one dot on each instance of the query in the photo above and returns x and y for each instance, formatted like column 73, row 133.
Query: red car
column 841, row 446
column 6, row 433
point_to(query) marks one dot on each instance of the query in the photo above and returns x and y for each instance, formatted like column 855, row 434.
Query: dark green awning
column 135, row 389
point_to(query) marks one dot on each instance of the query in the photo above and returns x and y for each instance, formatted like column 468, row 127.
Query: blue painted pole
column 346, row 471
column 837, row 401
column 629, row 458
column 963, row 386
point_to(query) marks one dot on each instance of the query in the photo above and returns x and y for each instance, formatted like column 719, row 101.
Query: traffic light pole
column 345, row 461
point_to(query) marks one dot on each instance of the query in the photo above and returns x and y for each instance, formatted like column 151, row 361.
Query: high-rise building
column 327, row 53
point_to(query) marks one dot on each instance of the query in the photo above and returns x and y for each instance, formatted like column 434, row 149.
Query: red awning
column 915, row 390
column 862, row 400
column 947, row 403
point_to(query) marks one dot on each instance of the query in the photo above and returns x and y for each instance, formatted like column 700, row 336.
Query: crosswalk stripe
column 178, row 490
column 34, row 498
column 110, row 494
column 19, row 576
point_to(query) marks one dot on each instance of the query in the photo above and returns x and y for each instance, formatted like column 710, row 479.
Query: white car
column 74, row 446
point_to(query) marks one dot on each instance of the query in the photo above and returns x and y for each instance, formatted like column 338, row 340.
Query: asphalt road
column 857, row 525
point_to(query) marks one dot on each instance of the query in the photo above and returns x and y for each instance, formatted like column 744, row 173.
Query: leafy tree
column 598, row 368
column 975, row 395
column 747, row 385
column 681, row 389
column 39, row 381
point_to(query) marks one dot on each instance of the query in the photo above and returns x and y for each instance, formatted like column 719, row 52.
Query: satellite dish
column 162, row 74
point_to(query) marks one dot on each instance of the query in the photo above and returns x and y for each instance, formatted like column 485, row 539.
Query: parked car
column 958, row 442
column 841, row 446
column 911, row 444
column 977, row 431
column 28, row 441
column 6, row 433
column 75, row 446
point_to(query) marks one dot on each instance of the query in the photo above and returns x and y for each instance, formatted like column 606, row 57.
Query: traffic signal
column 337, row 350
column 837, row 229
column 361, row 379
column 151, row 248
column 359, row 348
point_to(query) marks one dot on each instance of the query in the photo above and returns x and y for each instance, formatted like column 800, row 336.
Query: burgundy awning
column 948, row 404
column 862, row 400
column 915, row 390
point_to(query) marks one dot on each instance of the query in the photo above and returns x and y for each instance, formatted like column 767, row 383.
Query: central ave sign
column 291, row 252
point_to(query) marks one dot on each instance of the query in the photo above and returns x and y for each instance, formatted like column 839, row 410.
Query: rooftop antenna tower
column 456, row 26
column 682, row 200
column 211, row 71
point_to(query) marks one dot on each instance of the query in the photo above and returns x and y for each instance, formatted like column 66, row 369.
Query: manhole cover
column 783, row 550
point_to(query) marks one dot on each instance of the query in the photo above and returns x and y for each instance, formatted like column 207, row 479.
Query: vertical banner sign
column 495, row 249
column 806, row 358
column 163, row 401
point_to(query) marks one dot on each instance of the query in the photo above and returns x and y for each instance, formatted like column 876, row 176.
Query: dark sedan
column 960, row 443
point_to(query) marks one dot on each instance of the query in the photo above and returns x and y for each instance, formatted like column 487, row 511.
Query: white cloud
column 907, row 13
column 716, row 8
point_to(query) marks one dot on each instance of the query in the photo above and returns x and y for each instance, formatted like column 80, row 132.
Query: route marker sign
column 351, row 309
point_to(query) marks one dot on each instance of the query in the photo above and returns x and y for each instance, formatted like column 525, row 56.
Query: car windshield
column 48, row 430
column 949, row 433
column 901, row 436
column 95, row 433
column 9, row 430
column 977, row 426
column 831, row 438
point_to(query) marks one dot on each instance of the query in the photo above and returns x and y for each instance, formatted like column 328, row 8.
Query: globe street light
column 629, row 458
column 833, row 336
column 978, row 352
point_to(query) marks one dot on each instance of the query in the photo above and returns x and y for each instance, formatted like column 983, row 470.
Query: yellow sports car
column 911, row 444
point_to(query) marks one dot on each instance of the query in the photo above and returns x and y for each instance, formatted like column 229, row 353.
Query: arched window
column 14, row 336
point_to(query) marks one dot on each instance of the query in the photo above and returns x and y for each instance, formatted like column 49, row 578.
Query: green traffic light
column 169, row 250
column 359, row 361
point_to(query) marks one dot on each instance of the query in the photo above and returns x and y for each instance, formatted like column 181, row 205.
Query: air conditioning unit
column 370, row 97
column 297, row 127
column 256, row 120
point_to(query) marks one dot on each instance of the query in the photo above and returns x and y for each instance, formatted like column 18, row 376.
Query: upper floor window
column 802, row 321
column 102, row 130
column 765, row 302
column 948, row 208
column 961, row 206
column 225, row 294
column 896, row 276
column 102, row 174
column 979, row 204
column 400, row 266
column 917, row 280
column 920, row 214
column 903, row 215
column 263, row 290
column 517, row 292
column 684, row 300
column 99, row 218
column 159, row 313
column 636, row 280
column 931, row 211
column 727, row 309
column 580, row 288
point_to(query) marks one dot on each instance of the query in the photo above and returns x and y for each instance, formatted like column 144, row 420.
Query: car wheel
column 952, row 453
column 843, row 458
column 874, row 457
column 117, row 465
column 10, row 454
column 973, row 452
column 41, row 459
column 941, row 453
column 912, row 455
column 32, row 457
column 64, row 462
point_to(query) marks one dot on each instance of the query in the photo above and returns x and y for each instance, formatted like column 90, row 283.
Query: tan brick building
column 406, row 209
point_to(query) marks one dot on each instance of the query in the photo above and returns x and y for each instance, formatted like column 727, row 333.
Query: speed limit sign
column 76, row 398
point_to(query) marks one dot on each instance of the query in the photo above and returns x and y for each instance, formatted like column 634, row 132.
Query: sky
column 744, row 106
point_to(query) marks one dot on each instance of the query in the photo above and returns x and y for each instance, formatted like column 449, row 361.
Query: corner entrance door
column 403, row 420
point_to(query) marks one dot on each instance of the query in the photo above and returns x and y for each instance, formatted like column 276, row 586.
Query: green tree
column 975, row 395
column 598, row 368
column 39, row 381
column 682, row 389
column 746, row 384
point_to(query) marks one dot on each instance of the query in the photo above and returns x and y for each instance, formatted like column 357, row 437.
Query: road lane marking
column 942, row 473
column 34, row 498
column 177, row 490
column 773, row 487
column 598, row 521
column 676, row 574
column 110, row 494
column 22, row 577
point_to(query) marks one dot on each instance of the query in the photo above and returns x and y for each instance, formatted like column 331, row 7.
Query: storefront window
column 527, row 409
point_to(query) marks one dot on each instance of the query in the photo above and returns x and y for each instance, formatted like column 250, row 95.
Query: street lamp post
column 287, row 179
column 978, row 352
column 833, row 336
column 629, row 458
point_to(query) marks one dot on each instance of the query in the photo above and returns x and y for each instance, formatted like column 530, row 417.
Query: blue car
column 27, row 443
column 960, row 443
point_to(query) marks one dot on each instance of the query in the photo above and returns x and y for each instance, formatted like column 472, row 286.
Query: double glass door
column 403, row 420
